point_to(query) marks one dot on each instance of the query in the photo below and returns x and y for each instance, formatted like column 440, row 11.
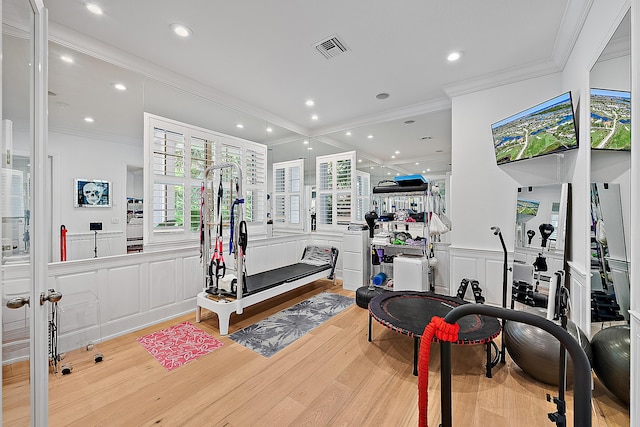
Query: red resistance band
column 443, row 331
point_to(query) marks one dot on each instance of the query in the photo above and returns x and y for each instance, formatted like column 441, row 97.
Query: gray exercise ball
column 537, row 352
column 612, row 359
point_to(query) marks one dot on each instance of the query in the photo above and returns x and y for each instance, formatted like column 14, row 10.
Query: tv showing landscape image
column 610, row 119
column 544, row 129
column 527, row 207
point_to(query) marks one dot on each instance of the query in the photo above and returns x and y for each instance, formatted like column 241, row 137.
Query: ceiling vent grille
column 331, row 46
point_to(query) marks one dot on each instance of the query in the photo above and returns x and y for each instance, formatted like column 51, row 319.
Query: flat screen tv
column 546, row 128
column 610, row 119
column 528, row 207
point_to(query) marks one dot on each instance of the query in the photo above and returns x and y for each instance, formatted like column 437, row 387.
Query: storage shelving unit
column 135, row 212
column 394, row 201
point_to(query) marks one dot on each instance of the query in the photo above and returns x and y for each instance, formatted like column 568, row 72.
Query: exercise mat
column 274, row 333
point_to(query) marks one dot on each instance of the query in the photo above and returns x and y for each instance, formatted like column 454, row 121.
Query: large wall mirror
column 610, row 196
column 541, row 213
column 610, row 82
column 96, row 136
column 95, row 117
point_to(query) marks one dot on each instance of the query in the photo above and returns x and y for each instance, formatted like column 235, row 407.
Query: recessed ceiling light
column 388, row 173
column 417, row 163
column 181, row 30
column 397, row 152
column 93, row 8
column 409, row 122
column 428, row 170
column 309, row 148
column 370, row 136
column 397, row 174
column 348, row 133
column 393, row 157
column 424, row 171
column 305, row 142
column 359, row 160
column 89, row 119
column 269, row 130
column 67, row 59
column 240, row 126
column 309, row 103
column 453, row 56
column 119, row 86
column 382, row 95
column 371, row 167
column 314, row 117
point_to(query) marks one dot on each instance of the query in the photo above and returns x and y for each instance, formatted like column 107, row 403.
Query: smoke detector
column 331, row 46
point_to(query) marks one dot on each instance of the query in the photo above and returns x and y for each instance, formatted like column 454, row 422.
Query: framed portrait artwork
column 92, row 193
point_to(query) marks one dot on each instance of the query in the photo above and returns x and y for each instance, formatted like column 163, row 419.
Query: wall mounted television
column 543, row 129
column 610, row 119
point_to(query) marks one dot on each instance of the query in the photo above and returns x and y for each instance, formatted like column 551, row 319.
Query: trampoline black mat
column 290, row 273
column 409, row 313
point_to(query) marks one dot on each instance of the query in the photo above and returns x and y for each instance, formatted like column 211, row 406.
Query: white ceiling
column 261, row 55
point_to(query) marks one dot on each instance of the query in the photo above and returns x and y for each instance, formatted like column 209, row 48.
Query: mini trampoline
column 408, row 313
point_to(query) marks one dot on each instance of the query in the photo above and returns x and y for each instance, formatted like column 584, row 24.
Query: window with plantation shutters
column 179, row 154
column 255, row 172
column 363, row 194
column 336, row 199
column 288, row 184
column 168, row 152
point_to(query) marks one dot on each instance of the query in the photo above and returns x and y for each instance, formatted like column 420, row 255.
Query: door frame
column 39, row 354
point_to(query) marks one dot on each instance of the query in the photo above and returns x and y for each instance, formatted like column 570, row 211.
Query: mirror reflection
column 610, row 275
column 96, row 135
column 15, row 148
column 539, row 248
column 611, row 186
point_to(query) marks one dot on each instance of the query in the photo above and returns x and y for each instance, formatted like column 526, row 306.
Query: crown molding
column 573, row 19
column 507, row 76
column 399, row 113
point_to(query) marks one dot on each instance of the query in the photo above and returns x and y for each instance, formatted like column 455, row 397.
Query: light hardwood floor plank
column 332, row 376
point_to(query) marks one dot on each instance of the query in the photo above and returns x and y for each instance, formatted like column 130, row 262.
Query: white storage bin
column 410, row 273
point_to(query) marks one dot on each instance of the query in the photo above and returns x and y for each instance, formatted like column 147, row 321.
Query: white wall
column 89, row 157
column 483, row 194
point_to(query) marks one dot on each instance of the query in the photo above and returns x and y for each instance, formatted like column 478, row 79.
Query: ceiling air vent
column 331, row 46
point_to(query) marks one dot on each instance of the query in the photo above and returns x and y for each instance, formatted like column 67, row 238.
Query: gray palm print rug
column 274, row 333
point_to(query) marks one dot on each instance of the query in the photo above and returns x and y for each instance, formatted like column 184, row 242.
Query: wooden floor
column 332, row 376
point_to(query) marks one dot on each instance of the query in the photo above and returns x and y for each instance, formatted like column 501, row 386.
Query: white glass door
column 24, row 213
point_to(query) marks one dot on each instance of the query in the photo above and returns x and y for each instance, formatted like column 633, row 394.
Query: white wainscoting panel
column 442, row 269
column 192, row 277
column 106, row 297
column 122, row 296
column 163, row 283
column 579, row 297
column 484, row 266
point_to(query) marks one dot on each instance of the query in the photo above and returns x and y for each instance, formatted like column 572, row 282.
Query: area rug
column 179, row 344
column 274, row 333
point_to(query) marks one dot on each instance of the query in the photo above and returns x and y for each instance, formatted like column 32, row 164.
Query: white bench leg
column 198, row 314
column 223, row 322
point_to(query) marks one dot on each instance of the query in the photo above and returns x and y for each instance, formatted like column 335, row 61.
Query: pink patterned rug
column 179, row 344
